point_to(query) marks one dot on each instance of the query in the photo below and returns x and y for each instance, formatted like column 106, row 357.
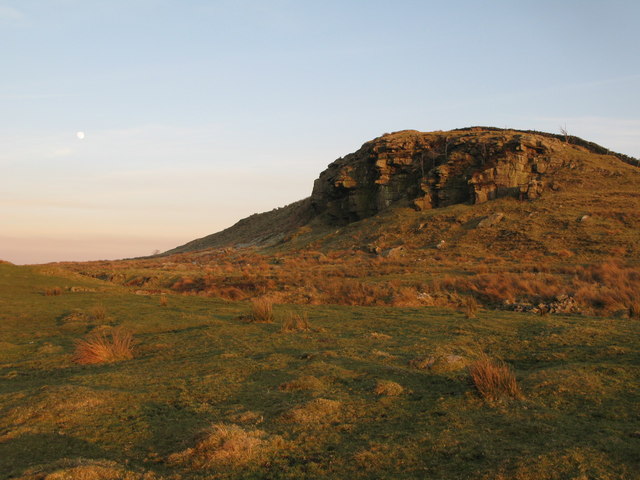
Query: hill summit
column 426, row 171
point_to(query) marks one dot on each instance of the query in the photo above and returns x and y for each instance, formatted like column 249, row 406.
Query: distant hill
column 429, row 173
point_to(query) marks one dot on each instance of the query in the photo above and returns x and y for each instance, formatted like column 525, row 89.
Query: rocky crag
column 438, row 169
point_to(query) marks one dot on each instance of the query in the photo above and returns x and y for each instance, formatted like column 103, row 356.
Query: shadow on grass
column 30, row 450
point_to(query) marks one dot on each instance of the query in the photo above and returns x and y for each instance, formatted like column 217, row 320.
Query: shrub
column 52, row 292
column 295, row 322
column 102, row 348
column 493, row 380
column 261, row 311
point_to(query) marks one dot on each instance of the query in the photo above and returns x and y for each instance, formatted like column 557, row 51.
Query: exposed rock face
column 430, row 170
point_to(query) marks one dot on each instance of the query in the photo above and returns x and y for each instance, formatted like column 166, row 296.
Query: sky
column 197, row 113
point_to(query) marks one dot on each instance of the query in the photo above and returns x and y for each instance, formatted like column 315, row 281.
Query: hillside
column 445, row 305
column 432, row 171
column 513, row 220
column 262, row 229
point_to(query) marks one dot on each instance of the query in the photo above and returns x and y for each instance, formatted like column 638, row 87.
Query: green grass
column 197, row 364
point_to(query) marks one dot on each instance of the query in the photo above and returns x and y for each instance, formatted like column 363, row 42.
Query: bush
column 104, row 348
column 52, row 292
column 493, row 380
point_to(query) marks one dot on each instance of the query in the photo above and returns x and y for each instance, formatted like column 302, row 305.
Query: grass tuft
column 471, row 307
column 227, row 444
column 102, row 348
column 494, row 380
column 98, row 312
column 295, row 322
column 261, row 311
column 320, row 410
column 164, row 301
column 388, row 388
column 305, row 382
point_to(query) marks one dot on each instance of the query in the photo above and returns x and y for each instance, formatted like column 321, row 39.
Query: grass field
column 364, row 392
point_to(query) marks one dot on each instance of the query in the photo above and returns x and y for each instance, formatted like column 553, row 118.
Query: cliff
column 438, row 169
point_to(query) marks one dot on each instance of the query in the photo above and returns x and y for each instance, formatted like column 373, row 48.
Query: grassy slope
column 266, row 228
column 197, row 364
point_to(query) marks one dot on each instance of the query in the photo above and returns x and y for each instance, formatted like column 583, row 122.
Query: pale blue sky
column 199, row 113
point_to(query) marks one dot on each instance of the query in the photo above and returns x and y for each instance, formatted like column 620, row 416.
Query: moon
column 80, row 135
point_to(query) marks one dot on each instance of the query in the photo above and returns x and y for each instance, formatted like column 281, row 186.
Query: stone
column 491, row 220
column 395, row 252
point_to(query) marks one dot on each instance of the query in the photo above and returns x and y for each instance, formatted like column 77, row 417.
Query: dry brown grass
column 261, row 311
column 98, row 312
column 102, row 347
column 319, row 410
column 471, row 307
column 52, row 292
column 84, row 469
column 306, row 382
column 379, row 336
column 248, row 416
column 295, row 322
column 388, row 388
column 228, row 444
column 164, row 301
column 494, row 380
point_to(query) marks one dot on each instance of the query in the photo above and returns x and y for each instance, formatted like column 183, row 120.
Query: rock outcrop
column 424, row 171
column 430, row 170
